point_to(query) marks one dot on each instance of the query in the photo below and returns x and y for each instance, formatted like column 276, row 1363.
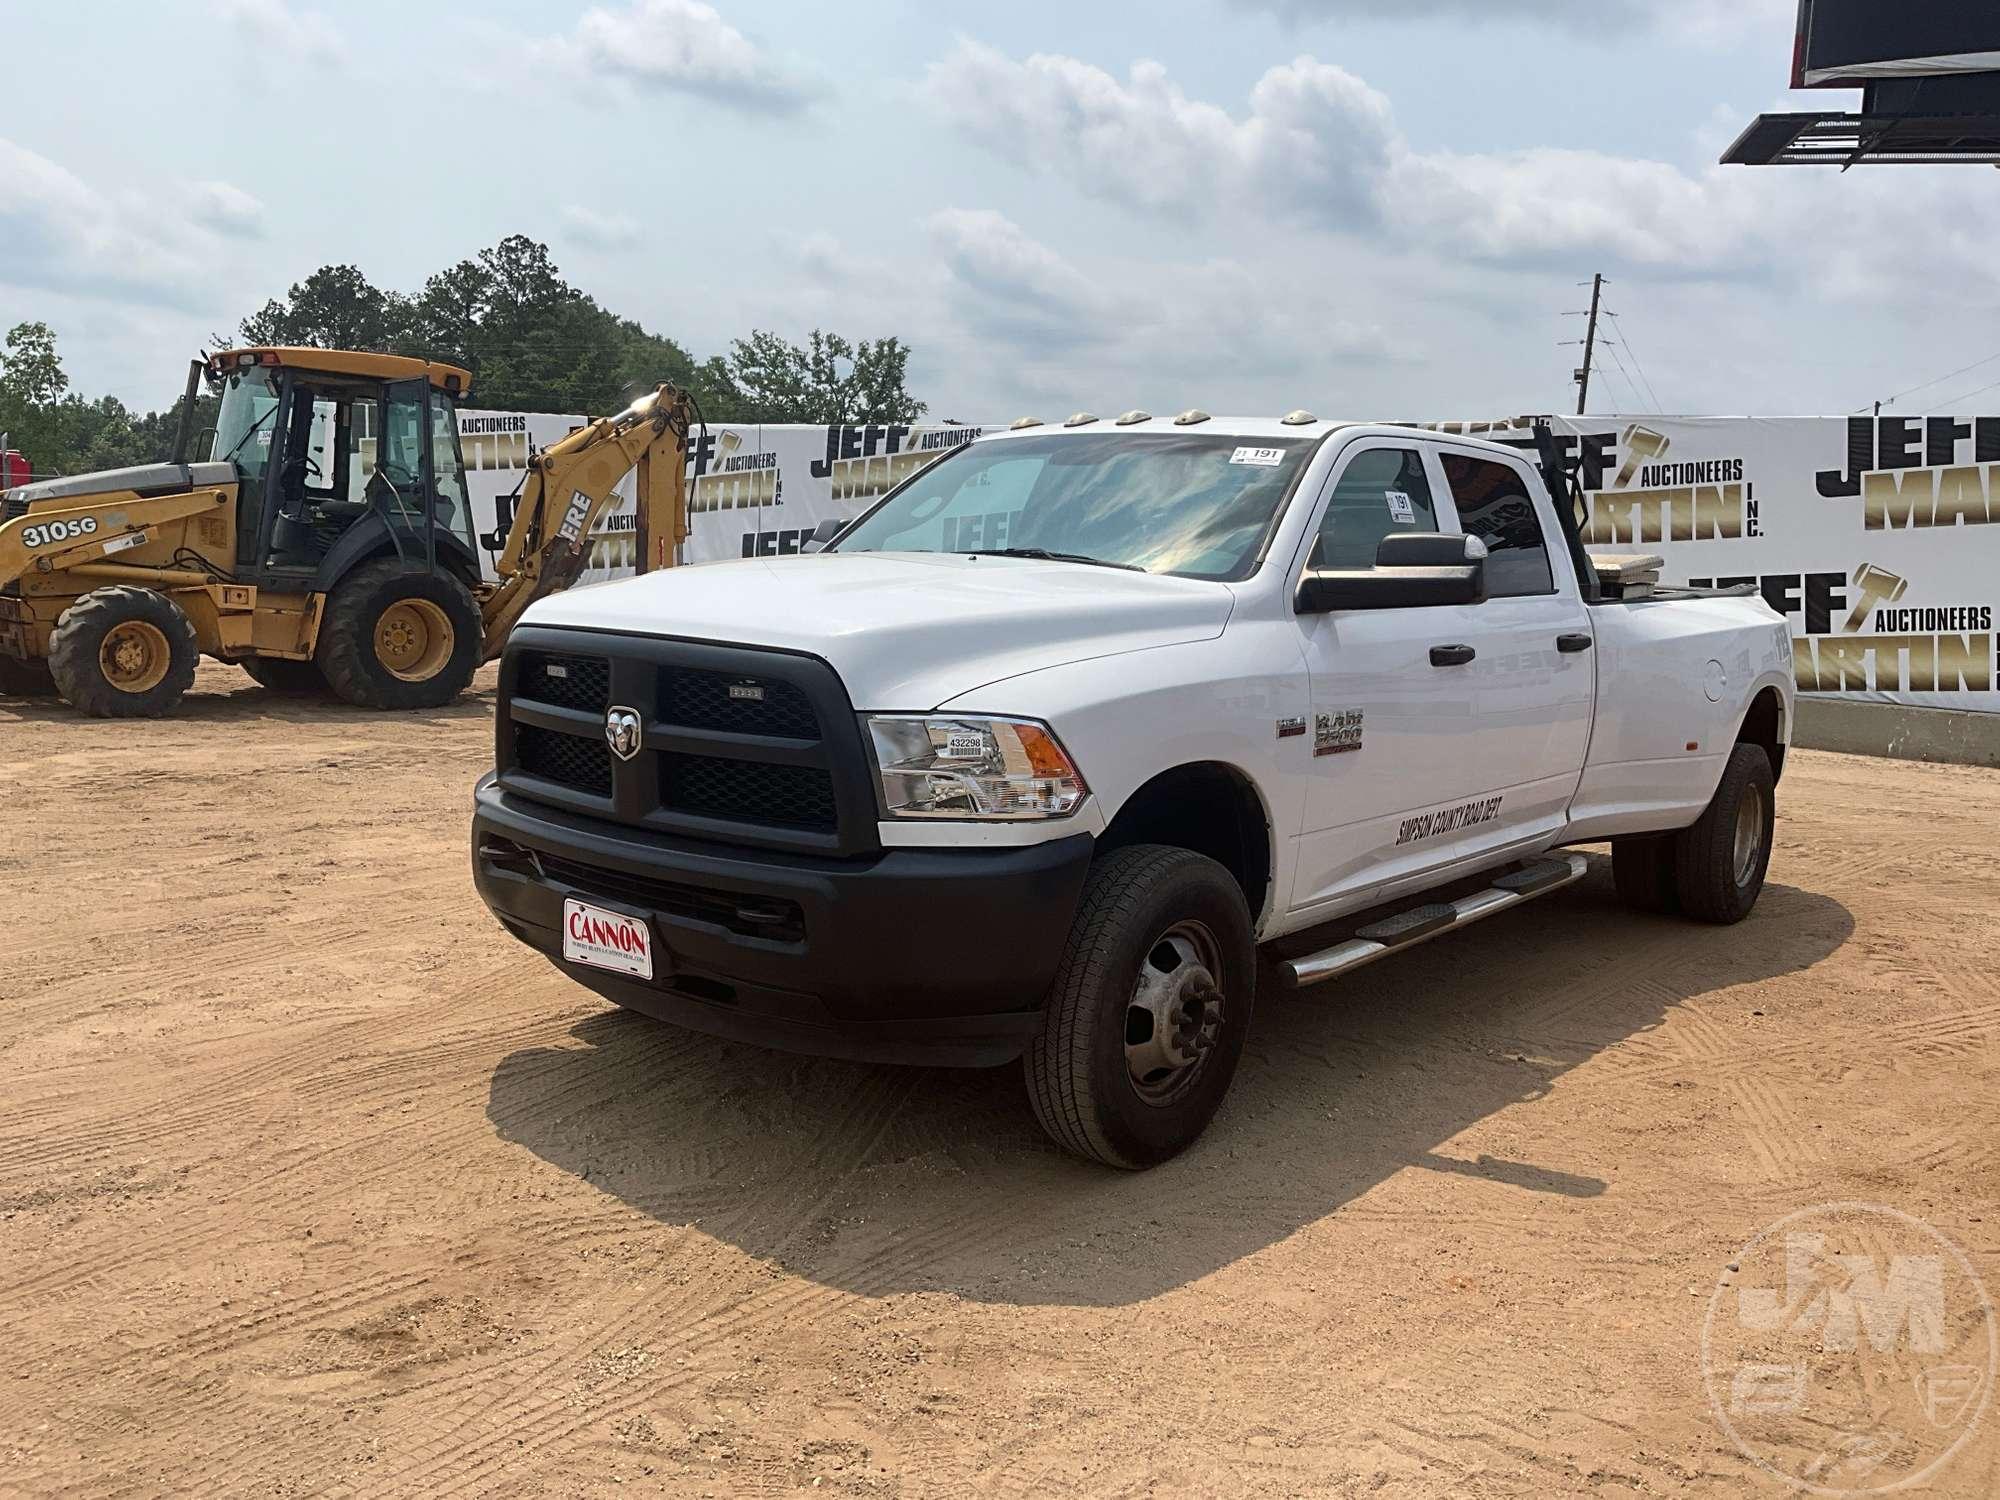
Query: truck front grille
column 567, row 759
column 736, row 745
column 564, row 679
column 742, row 705
column 747, row 791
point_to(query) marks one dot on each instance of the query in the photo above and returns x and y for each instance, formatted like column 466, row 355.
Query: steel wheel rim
column 134, row 656
column 1749, row 840
column 414, row 639
column 1175, row 1014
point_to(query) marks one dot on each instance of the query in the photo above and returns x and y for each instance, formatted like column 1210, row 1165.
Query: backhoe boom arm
column 569, row 486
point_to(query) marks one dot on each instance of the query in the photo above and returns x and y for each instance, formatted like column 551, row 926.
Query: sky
column 1367, row 208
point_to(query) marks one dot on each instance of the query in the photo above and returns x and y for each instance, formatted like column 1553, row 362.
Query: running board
column 1422, row 923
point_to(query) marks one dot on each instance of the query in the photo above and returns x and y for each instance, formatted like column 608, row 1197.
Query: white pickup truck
column 1035, row 755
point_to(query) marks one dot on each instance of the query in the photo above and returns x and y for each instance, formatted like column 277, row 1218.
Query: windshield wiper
column 1042, row 554
column 254, row 429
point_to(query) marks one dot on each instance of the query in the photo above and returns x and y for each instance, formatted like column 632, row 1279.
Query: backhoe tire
column 400, row 638
column 1719, row 863
column 1642, row 867
column 25, row 679
column 123, row 653
column 281, row 675
column 1149, row 1008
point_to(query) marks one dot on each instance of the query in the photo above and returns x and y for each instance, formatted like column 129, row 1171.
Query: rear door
column 1534, row 677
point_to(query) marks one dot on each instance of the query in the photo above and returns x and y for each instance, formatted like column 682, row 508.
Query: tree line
column 532, row 341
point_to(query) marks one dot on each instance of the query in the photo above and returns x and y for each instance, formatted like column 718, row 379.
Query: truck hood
column 906, row 630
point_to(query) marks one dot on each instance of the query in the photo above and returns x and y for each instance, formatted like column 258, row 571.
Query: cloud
column 1049, row 330
column 1315, row 136
column 225, row 209
column 1318, row 148
column 598, row 231
column 678, row 46
column 273, row 26
column 161, row 249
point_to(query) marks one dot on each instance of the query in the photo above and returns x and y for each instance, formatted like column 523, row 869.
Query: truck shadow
column 880, row 1180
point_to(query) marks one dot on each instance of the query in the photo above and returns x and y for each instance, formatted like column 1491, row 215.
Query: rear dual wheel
column 1714, row 870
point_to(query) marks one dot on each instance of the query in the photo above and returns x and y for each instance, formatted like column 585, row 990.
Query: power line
column 1891, row 401
column 1626, row 339
column 1625, row 375
column 1955, row 400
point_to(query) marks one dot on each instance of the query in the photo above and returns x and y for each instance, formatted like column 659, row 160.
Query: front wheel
column 1149, row 1009
column 123, row 653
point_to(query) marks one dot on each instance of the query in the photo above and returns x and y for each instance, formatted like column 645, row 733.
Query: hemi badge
column 1291, row 728
column 749, row 692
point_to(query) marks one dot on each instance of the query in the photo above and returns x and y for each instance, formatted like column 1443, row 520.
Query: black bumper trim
column 939, row 956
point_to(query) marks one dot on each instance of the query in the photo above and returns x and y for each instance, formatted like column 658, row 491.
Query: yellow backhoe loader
column 326, row 543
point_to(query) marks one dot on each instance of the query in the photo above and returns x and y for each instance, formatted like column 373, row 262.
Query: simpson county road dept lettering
column 1449, row 820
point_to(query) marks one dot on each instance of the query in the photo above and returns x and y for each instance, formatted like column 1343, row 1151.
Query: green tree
column 334, row 308
column 826, row 380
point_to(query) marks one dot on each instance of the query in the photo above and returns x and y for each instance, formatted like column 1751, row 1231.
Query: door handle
column 1451, row 656
column 1574, row 641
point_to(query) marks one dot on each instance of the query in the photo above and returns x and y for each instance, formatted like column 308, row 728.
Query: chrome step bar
column 1512, row 889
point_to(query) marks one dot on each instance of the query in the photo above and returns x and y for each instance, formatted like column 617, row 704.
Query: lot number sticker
column 1400, row 508
column 1263, row 458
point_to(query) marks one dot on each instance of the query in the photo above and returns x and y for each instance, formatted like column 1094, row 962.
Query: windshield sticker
column 1263, row 458
column 1449, row 820
column 1400, row 508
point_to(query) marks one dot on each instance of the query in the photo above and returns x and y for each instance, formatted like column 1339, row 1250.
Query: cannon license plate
column 607, row 939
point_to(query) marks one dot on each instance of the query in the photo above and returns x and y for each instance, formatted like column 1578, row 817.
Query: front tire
column 399, row 639
column 123, row 653
column 284, row 676
column 25, row 679
column 1149, row 1009
column 1719, row 863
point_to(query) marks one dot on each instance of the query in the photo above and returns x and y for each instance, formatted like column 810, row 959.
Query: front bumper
column 938, row 956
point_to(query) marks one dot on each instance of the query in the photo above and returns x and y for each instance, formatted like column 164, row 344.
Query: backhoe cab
column 325, row 542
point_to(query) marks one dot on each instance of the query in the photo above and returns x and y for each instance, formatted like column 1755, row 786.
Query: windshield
column 1195, row 506
column 244, row 420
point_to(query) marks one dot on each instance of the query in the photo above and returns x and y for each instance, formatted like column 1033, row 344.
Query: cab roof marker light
column 1019, row 422
column 1299, row 418
column 1081, row 419
column 1134, row 416
column 1193, row 416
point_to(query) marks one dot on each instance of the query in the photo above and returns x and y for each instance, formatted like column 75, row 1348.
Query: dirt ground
column 312, row 1180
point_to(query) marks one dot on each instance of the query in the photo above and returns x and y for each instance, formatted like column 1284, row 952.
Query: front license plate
column 606, row 939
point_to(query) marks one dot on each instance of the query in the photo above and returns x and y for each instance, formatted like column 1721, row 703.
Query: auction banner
column 757, row 490
column 1875, row 537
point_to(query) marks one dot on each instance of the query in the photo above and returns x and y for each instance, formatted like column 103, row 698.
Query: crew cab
column 1033, row 757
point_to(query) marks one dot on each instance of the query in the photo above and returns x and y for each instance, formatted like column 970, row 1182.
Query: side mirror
column 1412, row 569
column 823, row 533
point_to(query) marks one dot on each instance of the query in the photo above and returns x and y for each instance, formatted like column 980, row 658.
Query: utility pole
column 1589, row 345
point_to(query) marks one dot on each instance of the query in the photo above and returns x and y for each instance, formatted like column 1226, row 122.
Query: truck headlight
column 944, row 766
